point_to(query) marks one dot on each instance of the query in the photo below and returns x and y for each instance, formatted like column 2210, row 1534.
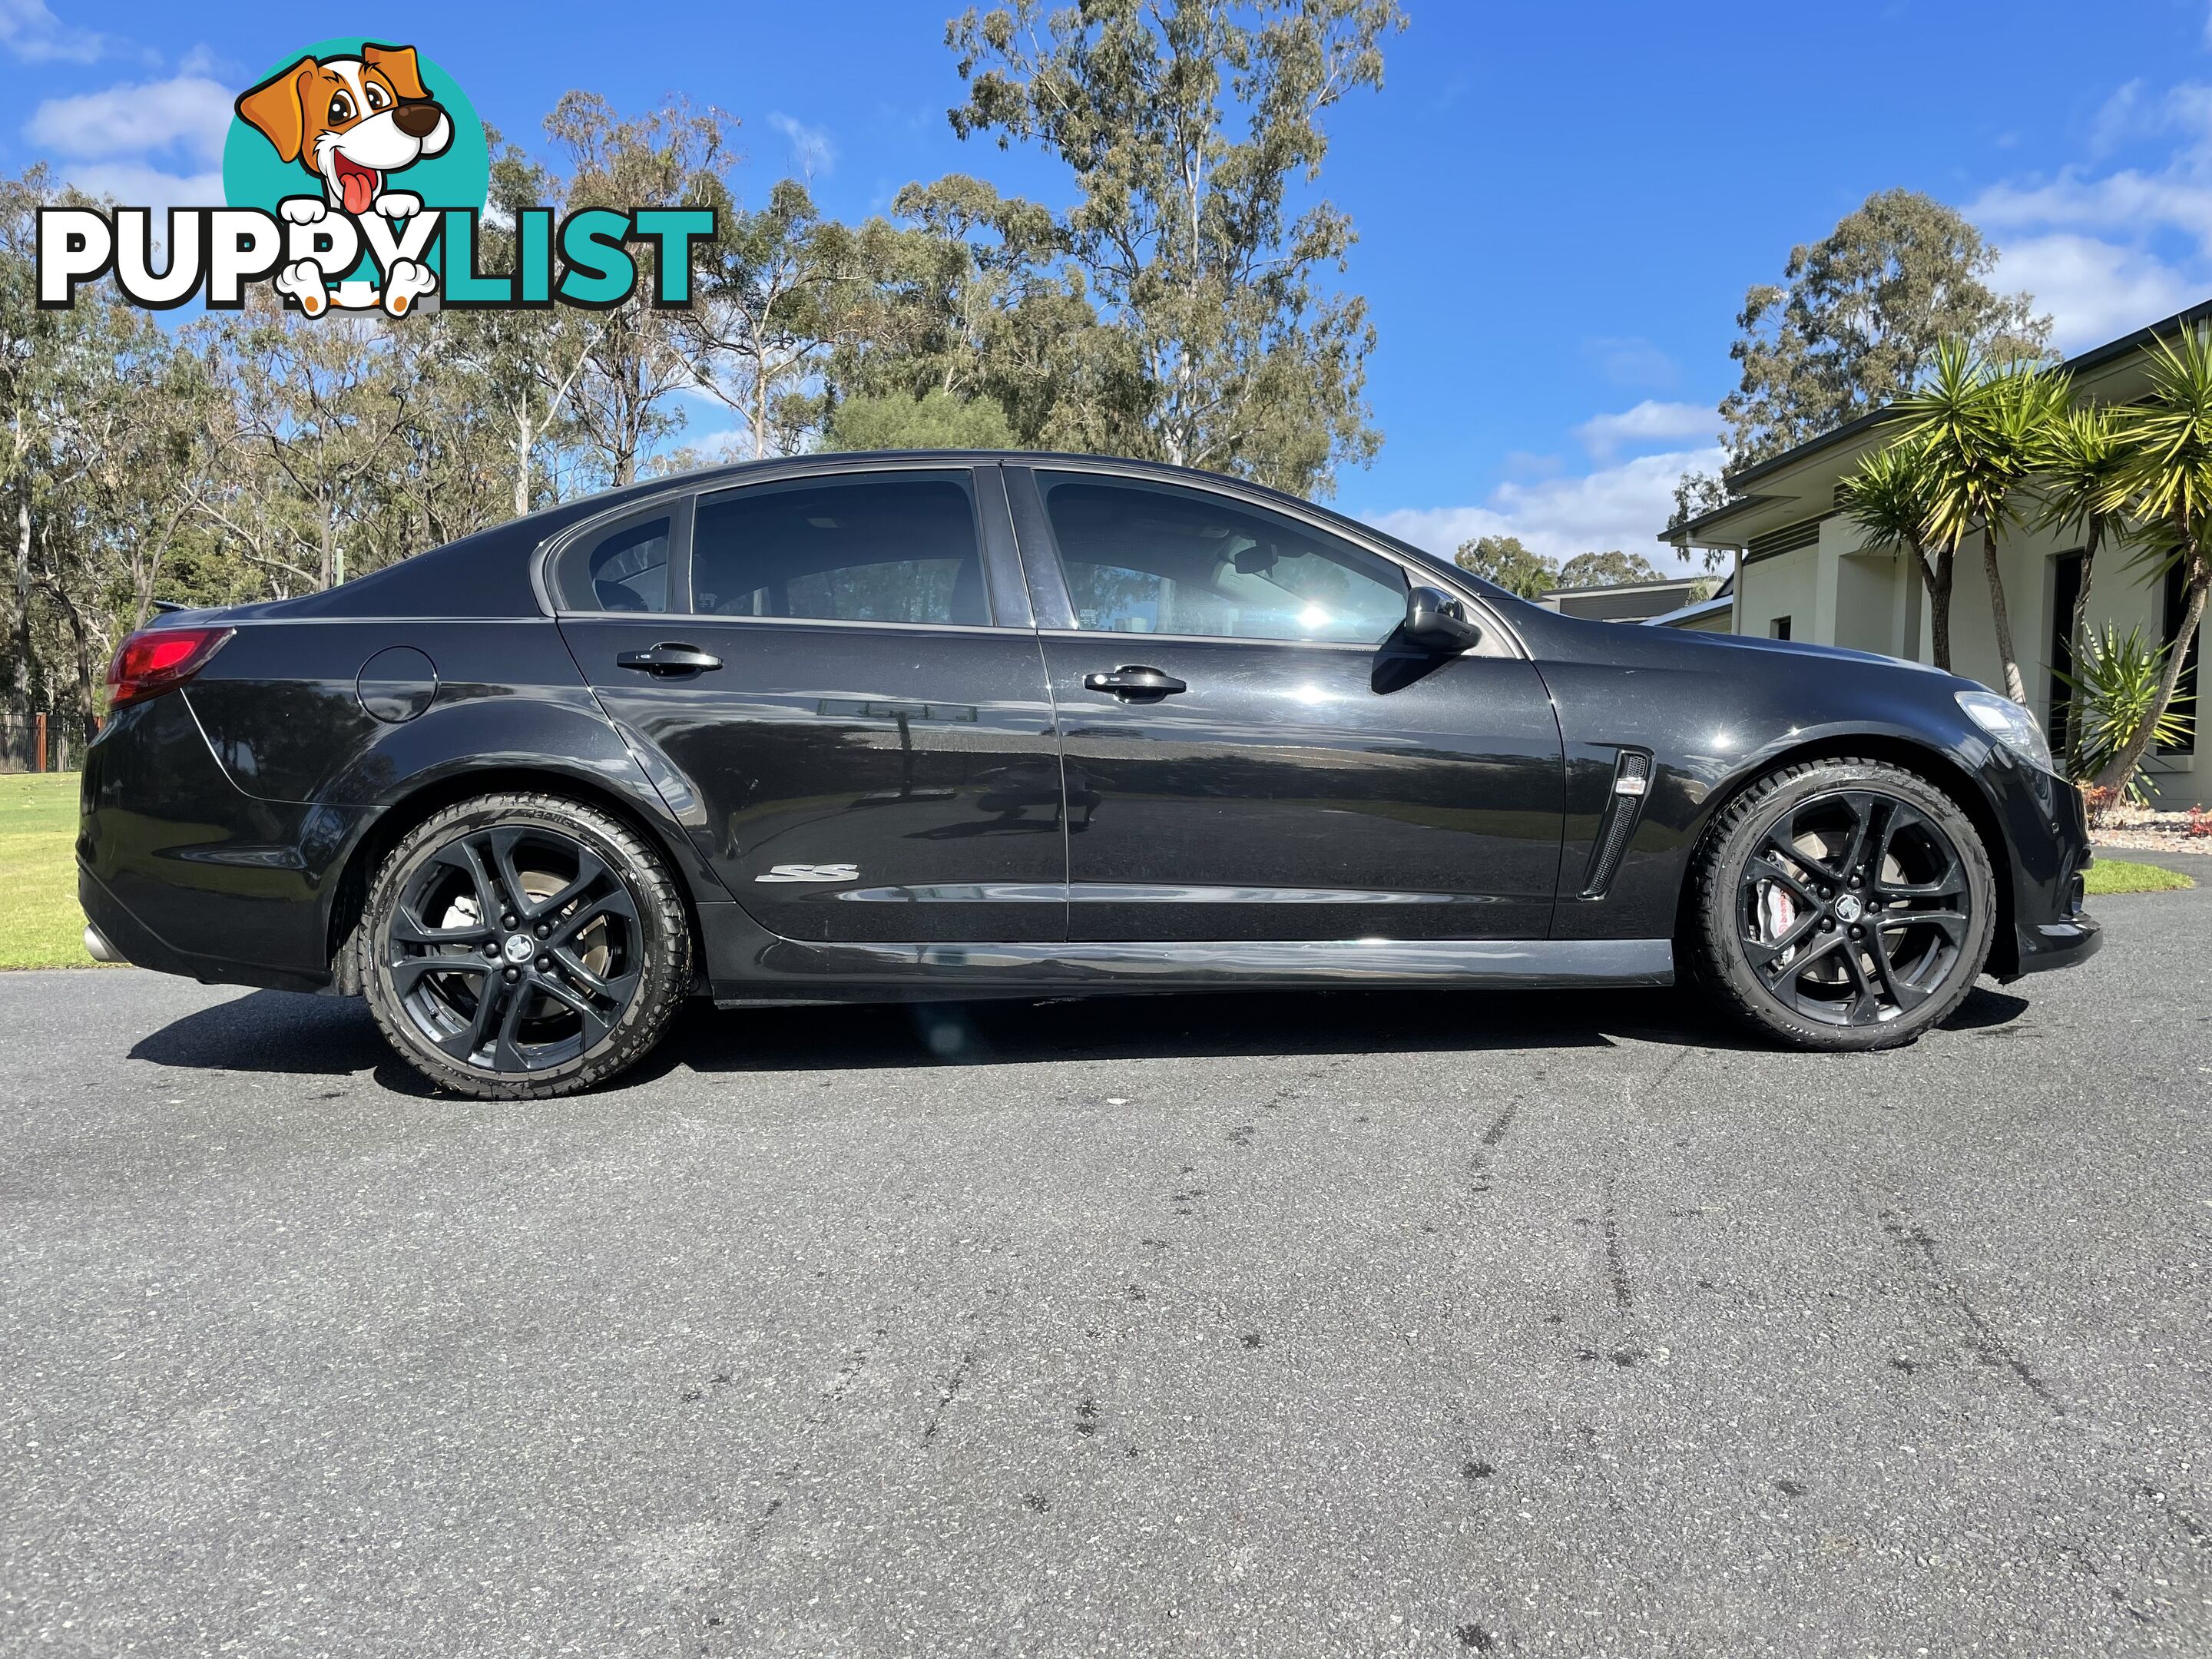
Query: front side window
column 1146, row 558
column 889, row 547
column 626, row 569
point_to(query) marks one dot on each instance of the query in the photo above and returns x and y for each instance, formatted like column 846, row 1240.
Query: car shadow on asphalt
column 275, row 1032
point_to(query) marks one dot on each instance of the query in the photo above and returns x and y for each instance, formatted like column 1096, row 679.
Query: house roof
column 1655, row 587
column 2082, row 363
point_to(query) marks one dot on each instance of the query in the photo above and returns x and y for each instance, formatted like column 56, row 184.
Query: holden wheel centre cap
column 519, row 949
column 1848, row 908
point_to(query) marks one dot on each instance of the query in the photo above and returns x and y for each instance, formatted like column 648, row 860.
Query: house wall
column 1835, row 595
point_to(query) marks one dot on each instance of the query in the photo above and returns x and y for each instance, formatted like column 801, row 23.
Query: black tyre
column 1841, row 904
column 522, row 946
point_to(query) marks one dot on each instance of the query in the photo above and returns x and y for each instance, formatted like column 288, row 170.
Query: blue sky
column 1559, row 206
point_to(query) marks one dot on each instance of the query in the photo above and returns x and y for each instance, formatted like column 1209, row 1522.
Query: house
column 1802, row 570
column 1714, row 616
column 1630, row 602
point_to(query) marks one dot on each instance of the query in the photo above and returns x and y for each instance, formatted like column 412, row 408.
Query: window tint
column 626, row 569
column 1146, row 558
column 896, row 547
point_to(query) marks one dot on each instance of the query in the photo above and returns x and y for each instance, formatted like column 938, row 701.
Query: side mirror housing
column 1436, row 622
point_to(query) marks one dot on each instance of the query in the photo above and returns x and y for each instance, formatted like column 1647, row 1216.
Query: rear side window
column 626, row 569
column 1146, row 558
column 892, row 547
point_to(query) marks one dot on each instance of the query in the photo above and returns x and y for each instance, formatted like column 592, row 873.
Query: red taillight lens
column 159, row 660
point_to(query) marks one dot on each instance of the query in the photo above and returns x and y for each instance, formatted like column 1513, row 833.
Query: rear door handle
column 1135, row 681
column 668, row 660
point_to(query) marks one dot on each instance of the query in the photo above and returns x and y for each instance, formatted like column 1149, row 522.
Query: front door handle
column 1135, row 681
column 668, row 660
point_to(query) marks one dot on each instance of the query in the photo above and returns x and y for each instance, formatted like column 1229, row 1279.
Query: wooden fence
column 39, row 742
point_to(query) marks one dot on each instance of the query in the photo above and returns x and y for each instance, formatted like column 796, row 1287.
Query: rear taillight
column 159, row 660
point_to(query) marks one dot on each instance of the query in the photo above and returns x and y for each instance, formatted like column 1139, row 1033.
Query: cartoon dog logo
column 351, row 122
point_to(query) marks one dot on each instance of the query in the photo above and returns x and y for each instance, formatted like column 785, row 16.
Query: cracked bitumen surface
column 1313, row 1324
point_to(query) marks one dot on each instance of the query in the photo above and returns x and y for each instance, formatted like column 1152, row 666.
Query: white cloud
column 811, row 151
column 134, row 183
column 190, row 112
column 1630, row 360
column 1622, row 506
column 1650, row 422
column 30, row 32
column 2094, row 290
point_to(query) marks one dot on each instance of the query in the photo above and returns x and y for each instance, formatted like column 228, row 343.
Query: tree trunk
column 524, row 437
column 1939, row 608
column 2122, row 766
column 2014, row 687
column 19, row 669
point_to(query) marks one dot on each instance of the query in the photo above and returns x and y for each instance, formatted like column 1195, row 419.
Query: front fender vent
column 1631, row 781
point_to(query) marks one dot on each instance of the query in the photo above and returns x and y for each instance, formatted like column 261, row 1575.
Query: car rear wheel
column 523, row 946
column 1842, row 904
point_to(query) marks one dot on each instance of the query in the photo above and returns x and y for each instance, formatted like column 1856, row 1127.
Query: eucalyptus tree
column 1981, row 426
column 2162, row 481
column 639, row 361
column 1187, row 122
column 1506, row 560
column 1890, row 497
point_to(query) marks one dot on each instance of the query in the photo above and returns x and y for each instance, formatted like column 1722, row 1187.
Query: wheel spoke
column 506, row 1056
column 1949, row 922
column 1764, row 868
column 1866, row 1006
column 407, row 972
column 596, row 1023
column 492, row 999
column 408, row 928
column 1869, row 820
column 1906, row 995
column 1764, row 952
column 1792, row 969
column 499, row 845
column 1779, row 848
column 616, row 989
column 589, row 873
column 613, row 902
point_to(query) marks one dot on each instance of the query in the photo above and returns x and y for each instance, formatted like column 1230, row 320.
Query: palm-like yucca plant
column 1889, row 496
column 2076, row 473
column 2116, row 684
column 1981, row 425
column 2163, row 480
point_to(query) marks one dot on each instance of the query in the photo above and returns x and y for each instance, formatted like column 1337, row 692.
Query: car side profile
column 935, row 725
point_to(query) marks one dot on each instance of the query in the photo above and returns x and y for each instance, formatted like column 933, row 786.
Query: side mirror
column 1436, row 622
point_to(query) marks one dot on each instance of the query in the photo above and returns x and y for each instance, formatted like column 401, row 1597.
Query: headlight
column 2010, row 725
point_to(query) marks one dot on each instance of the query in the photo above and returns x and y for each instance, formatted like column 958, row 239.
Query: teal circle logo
column 357, row 127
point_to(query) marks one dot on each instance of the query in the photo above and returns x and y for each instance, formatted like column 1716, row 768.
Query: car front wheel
column 523, row 946
column 1842, row 904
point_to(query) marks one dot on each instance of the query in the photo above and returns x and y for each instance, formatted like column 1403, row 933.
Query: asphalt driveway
column 1334, row 1324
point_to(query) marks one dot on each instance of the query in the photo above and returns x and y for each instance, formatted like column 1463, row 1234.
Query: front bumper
column 2046, row 834
column 2045, row 946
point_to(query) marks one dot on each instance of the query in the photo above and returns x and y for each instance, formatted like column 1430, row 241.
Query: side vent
column 1632, row 779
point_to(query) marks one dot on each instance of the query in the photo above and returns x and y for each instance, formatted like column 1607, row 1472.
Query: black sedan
column 951, row 725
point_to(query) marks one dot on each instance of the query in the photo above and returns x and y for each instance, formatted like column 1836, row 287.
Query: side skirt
column 766, row 967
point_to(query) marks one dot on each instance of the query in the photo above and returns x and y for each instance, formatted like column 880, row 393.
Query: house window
column 2185, row 691
column 2065, row 589
column 1778, row 629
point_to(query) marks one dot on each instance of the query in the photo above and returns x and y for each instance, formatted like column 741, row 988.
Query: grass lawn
column 2126, row 876
column 40, row 926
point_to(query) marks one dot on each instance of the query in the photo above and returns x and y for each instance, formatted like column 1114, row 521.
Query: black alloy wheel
column 523, row 946
column 1844, row 904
